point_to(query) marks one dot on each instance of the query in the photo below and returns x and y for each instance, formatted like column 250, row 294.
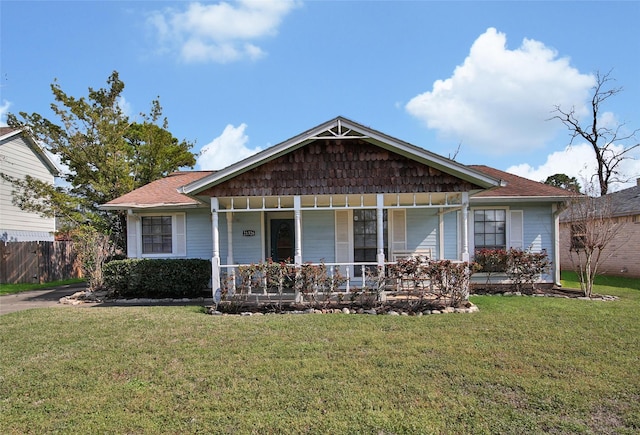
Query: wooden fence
column 37, row 262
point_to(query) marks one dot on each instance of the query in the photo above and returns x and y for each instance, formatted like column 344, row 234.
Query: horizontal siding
column 199, row 236
column 538, row 229
column 422, row 230
column 451, row 236
column 16, row 160
column 318, row 236
column 246, row 250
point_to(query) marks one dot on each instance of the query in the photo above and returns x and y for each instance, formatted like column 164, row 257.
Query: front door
column 282, row 239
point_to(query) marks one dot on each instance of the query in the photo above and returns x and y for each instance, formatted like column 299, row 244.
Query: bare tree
column 602, row 138
column 593, row 227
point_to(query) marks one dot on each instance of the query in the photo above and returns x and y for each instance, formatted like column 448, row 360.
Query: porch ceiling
column 323, row 202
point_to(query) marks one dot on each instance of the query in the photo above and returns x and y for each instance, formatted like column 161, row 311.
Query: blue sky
column 238, row 77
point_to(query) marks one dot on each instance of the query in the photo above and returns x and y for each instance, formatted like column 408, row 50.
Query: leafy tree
column 602, row 138
column 107, row 155
column 563, row 181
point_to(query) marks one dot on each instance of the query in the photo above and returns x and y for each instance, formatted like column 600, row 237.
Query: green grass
column 603, row 282
column 520, row 365
column 6, row 289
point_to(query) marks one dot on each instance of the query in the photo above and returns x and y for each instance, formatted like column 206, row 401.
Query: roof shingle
column 518, row 186
column 162, row 192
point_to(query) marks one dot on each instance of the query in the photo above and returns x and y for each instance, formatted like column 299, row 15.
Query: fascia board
column 518, row 199
column 162, row 206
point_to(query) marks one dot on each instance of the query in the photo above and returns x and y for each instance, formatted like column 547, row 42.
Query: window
column 578, row 236
column 490, row 229
column 365, row 236
column 157, row 236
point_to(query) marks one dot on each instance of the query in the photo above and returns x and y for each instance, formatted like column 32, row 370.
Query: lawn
column 520, row 365
column 6, row 289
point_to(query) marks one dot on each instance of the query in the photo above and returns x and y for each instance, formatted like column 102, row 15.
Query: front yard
column 520, row 365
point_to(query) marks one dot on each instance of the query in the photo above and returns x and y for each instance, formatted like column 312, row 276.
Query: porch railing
column 342, row 277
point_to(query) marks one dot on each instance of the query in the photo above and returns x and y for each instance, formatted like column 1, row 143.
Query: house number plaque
column 248, row 233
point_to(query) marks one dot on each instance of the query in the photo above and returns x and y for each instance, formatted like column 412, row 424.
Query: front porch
column 348, row 234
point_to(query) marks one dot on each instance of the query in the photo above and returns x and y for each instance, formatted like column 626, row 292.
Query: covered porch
column 351, row 235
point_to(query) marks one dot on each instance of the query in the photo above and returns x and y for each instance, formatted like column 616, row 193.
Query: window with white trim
column 157, row 235
column 490, row 228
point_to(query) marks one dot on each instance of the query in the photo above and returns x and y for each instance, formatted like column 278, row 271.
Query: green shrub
column 158, row 278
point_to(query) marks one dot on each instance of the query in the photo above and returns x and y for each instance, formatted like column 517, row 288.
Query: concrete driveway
column 38, row 298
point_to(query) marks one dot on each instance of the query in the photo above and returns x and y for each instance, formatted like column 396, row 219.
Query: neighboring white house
column 20, row 156
column 343, row 194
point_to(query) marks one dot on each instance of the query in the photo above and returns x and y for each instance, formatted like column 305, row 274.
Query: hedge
column 157, row 278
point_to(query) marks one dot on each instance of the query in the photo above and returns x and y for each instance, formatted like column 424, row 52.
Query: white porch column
column 229, row 237
column 465, row 226
column 380, row 228
column 297, row 212
column 215, row 261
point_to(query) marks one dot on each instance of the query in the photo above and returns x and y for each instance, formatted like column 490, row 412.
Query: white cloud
column 220, row 32
column 577, row 161
column 500, row 100
column 230, row 147
column 4, row 109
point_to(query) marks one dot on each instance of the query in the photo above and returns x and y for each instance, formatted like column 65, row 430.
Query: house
column 343, row 194
column 622, row 212
column 20, row 156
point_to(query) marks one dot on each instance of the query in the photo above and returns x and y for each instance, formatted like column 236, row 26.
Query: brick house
column 622, row 256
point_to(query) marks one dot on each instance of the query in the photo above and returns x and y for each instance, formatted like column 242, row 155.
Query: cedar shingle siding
column 339, row 167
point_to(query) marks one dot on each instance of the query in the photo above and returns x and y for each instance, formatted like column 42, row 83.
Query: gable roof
column 160, row 193
column 342, row 128
column 9, row 133
column 519, row 188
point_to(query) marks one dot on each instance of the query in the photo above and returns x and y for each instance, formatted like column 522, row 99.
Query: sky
column 475, row 81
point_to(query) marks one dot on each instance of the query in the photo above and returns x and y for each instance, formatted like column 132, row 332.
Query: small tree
column 593, row 227
column 93, row 249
